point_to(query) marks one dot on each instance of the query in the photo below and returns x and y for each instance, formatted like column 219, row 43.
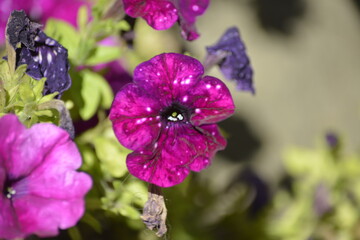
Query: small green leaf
column 39, row 88
column 48, row 98
column 128, row 211
column 123, row 25
column 26, row 92
column 112, row 156
column 103, row 54
column 74, row 233
column 82, row 17
column 92, row 221
column 2, row 97
column 95, row 92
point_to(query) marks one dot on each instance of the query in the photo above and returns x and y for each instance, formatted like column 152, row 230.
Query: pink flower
column 41, row 191
column 167, row 116
column 40, row 11
column 162, row 14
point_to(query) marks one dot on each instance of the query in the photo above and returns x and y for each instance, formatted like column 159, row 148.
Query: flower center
column 8, row 190
column 176, row 113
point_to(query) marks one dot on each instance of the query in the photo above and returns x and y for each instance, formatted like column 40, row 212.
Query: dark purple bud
column 235, row 64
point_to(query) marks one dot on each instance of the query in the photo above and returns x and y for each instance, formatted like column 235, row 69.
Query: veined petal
column 135, row 117
column 155, row 170
column 168, row 76
column 212, row 101
column 218, row 143
column 180, row 149
column 159, row 14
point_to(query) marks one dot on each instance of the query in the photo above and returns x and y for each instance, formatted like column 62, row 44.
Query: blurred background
column 292, row 167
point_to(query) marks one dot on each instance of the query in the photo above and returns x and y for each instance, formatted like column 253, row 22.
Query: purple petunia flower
column 44, row 56
column 168, row 117
column 40, row 189
column 236, row 64
column 332, row 139
column 162, row 14
column 40, row 11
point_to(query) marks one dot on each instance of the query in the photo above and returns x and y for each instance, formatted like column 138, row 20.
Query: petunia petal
column 218, row 143
column 155, row 170
column 44, row 216
column 24, row 149
column 9, row 227
column 159, row 14
column 188, row 11
column 56, row 177
column 168, row 76
column 179, row 150
column 40, row 167
column 10, row 129
column 134, row 114
column 212, row 101
column 50, row 60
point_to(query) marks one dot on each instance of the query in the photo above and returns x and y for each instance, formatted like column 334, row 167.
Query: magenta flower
column 40, row 11
column 41, row 191
column 167, row 116
column 162, row 14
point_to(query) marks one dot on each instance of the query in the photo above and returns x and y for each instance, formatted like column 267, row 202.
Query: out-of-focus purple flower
column 116, row 75
column 332, row 140
column 234, row 62
column 162, row 14
column 322, row 201
column 40, row 11
column 168, row 117
column 44, row 56
column 40, row 190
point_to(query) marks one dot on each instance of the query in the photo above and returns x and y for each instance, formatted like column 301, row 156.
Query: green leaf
column 39, row 88
column 92, row 221
column 128, row 211
column 112, row 156
column 26, row 92
column 82, row 17
column 95, row 92
column 2, row 97
column 20, row 72
column 74, row 233
column 103, row 54
column 139, row 192
column 48, row 98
